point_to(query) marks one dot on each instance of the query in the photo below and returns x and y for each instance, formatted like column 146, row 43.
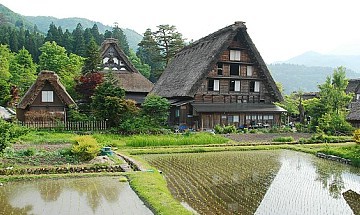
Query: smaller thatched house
column 46, row 100
column 136, row 86
column 354, row 108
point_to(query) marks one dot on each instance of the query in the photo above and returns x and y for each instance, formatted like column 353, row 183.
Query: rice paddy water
column 96, row 195
column 260, row 182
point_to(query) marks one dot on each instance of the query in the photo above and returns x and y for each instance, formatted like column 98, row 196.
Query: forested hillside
column 299, row 77
column 43, row 22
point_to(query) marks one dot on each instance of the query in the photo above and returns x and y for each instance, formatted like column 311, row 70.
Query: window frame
column 47, row 96
column 235, row 55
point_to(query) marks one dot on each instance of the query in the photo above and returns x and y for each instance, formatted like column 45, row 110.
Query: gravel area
column 264, row 137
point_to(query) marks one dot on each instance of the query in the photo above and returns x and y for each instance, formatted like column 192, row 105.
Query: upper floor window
column 234, row 69
column 213, row 85
column 357, row 97
column 254, row 86
column 47, row 96
column 220, row 69
column 234, row 85
column 235, row 55
column 249, row 71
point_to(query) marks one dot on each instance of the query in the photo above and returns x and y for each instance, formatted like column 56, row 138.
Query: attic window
column 249, row 71
column 235, row 55
column 47, row 96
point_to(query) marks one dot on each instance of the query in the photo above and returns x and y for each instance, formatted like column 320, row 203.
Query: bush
column 356, row 136
column 9, row 132
column 283, row 139
column 85, row 147
column 225, row 129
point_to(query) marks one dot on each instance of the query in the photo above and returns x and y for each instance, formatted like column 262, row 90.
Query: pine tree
column 97, row 36
column 118, row 34
column 92, row 57
column 78, row 41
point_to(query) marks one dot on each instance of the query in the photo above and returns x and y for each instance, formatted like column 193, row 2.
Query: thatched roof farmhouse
column 220, row 79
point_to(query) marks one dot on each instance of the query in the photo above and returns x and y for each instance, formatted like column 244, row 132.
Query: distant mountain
column 326, row 60
column 299, row 77
column 14, row 19
column 43, row 23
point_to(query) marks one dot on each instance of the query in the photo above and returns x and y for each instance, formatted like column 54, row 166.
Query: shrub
column 219, row 129
column 85, row 147
column 356, row 136
column 9, row 132
column 283, row 139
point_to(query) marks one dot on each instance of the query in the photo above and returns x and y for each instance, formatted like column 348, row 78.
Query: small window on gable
column 249, row 71
column 220, row 68
column 254, row 86
column 47, row 96
column 235, row 55
column 234, row 69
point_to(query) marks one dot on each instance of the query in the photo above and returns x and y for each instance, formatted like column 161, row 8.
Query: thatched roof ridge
column 114, row 42
column 185, row 73
column 53, row 79
column 131, row 80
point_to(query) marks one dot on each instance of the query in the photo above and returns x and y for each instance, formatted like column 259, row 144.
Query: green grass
column 174, row 139
column 283, row 139
column 152, row 188
column 348, row 152
column 39, row 137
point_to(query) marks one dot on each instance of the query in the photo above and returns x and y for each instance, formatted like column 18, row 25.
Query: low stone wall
column 60, row 170
column 333, row 158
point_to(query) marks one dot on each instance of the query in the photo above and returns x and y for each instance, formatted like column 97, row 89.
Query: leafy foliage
column 157, row 108
column 85, row 147
column 93, row 59
column 283, row 139
column 9, row 132
column 143, row 68
column 225, row 129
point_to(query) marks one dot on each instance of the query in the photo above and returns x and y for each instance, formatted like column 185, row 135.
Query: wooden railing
column 68, row 126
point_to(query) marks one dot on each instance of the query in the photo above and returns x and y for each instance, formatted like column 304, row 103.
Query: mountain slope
column 43, row 23
column 299, row 77
column 14, row 19
column 326, row 60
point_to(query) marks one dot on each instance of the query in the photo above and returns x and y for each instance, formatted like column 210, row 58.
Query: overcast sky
column 280, row 29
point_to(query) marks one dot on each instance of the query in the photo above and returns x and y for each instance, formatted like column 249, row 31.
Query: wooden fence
column 68, row 126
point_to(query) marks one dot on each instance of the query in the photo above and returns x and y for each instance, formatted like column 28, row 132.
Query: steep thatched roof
column 191, row 65
column 353, row 86
column 53, row 79
column 130, row 79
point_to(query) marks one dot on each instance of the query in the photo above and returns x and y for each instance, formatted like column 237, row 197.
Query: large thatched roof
column 130, row 79
column 354, row 113
column 191, row 65
column 45, row 77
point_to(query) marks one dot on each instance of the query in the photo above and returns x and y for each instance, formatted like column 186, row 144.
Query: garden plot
column 258, row 182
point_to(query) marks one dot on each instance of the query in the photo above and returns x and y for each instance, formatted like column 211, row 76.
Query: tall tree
column 23, row 71
column 118, row 34
column 169, row 41
column 328, row 112
column 5, row 58
column 159, row 47
column 67, row 41
column 92, row 57
column 54, row 34
column 78, row 41
column 97, row 36
column 143, row 68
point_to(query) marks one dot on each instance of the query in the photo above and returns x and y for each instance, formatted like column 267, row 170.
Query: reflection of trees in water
column 6, row 207
column 330, row 175
column 97, row 188
column 50, row 190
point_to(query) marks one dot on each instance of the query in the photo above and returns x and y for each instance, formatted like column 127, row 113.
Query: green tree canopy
column 143, row 68
column 93, row 58
column 157, row 108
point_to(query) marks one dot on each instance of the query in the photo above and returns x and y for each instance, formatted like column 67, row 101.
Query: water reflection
column 99, row 195
column 258, row 182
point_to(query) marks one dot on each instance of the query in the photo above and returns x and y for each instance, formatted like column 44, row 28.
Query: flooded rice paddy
column 96, row 195
column 261, row 182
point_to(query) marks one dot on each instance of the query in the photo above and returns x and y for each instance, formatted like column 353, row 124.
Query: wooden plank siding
column 67, row 126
